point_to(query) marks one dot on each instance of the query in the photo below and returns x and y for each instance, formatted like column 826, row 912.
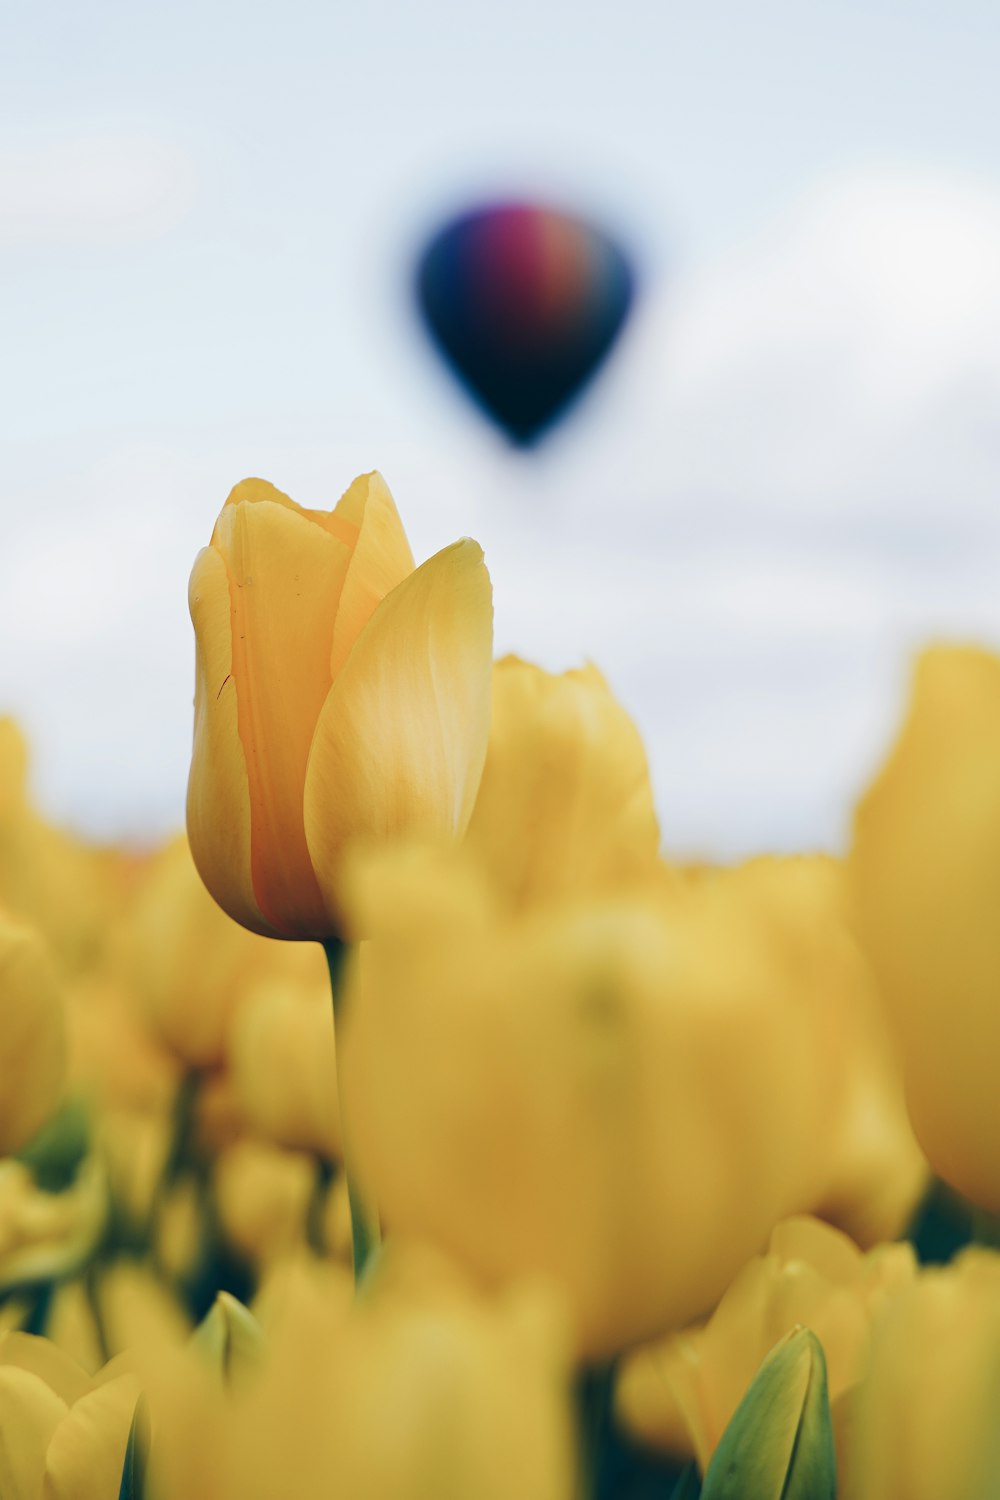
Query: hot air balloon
column 524, row 302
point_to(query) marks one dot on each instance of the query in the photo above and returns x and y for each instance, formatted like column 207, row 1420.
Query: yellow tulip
column 61, row 886
column 419, row 1388
column 926, row 864
column 44, row 1235
column 32, row 1036
column 62, row 1433
column 193, row 968
column 339, row 694
column 262, row 1195
column 622, row 1094
column 680, row 1393
column 565, row 804
column 877, row 1172
column 924, row 1420
column 283, row 1066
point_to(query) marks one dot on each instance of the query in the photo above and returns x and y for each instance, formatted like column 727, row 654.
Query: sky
column 784, row 481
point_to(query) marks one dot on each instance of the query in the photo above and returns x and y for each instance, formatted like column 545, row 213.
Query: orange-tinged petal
column 381, row 559
column 29, row 1415
column 401, row 739
column 218, row 798
column 285, row 577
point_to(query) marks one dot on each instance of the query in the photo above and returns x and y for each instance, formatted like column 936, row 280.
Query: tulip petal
column 285, row 579
column 218, row 797
column 401, row 739
column 87, row 1450
column 252, row 491
column 29, row 1415
column 381, row 559
column 60, row 1373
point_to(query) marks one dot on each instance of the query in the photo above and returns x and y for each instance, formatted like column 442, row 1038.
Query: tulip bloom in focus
column 926, row 866
column 339, row 694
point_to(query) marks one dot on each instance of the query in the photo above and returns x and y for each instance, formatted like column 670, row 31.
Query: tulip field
column 416, row 1127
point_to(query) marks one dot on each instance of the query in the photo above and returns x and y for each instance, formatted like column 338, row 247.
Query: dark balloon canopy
column 525, row 303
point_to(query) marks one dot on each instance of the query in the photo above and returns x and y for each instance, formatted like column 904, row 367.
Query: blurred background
column 783, row 479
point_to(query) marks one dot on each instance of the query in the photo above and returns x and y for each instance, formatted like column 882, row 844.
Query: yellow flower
column 680, row 1393
column 877, row 1171
column 926, row 863
column 283, row 1066
column 262, row 1194
column 193, row 968
column 339, row 694
column 62, row 1434
column 43, row 1235
column 420, row 1388
column 924, row 1421
column 62, row 887
column 622, row 1094
column 565, row 804
column 32, row 1036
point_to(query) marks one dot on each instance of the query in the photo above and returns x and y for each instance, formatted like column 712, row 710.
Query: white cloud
column 99, row 189
column 843, row 364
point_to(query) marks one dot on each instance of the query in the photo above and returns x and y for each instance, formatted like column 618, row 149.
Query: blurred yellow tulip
column 624, row 1094
column 193, row 968
column 924, row 1421
column 283, row 1065
column 32, row 1036
column 262, row 1195
column 420, row 1388
column 680, row 1393
column 339, row 693
column 565, row 804
column 62, row 1434
column 66, row 889
column 45, row 1235
column 926, row 866
column 877, row 1172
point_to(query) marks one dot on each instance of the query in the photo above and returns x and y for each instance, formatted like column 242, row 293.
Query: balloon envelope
column 525, row 303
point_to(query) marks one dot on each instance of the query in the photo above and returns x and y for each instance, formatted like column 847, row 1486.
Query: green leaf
column 779, row 1443
column 133, row 1485
column 55, row 1154
column 688, row 1487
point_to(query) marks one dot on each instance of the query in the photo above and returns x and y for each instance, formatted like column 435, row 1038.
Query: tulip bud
column 230, row 1338
column 565, row 804
column 779, row 1444
column 679, row 1393
column 339, row 694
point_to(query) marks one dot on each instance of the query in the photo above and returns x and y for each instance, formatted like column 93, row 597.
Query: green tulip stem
column 364, row 1227
column 594, row 1400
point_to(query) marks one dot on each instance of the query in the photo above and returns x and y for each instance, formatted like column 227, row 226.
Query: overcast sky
column 785, row 480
